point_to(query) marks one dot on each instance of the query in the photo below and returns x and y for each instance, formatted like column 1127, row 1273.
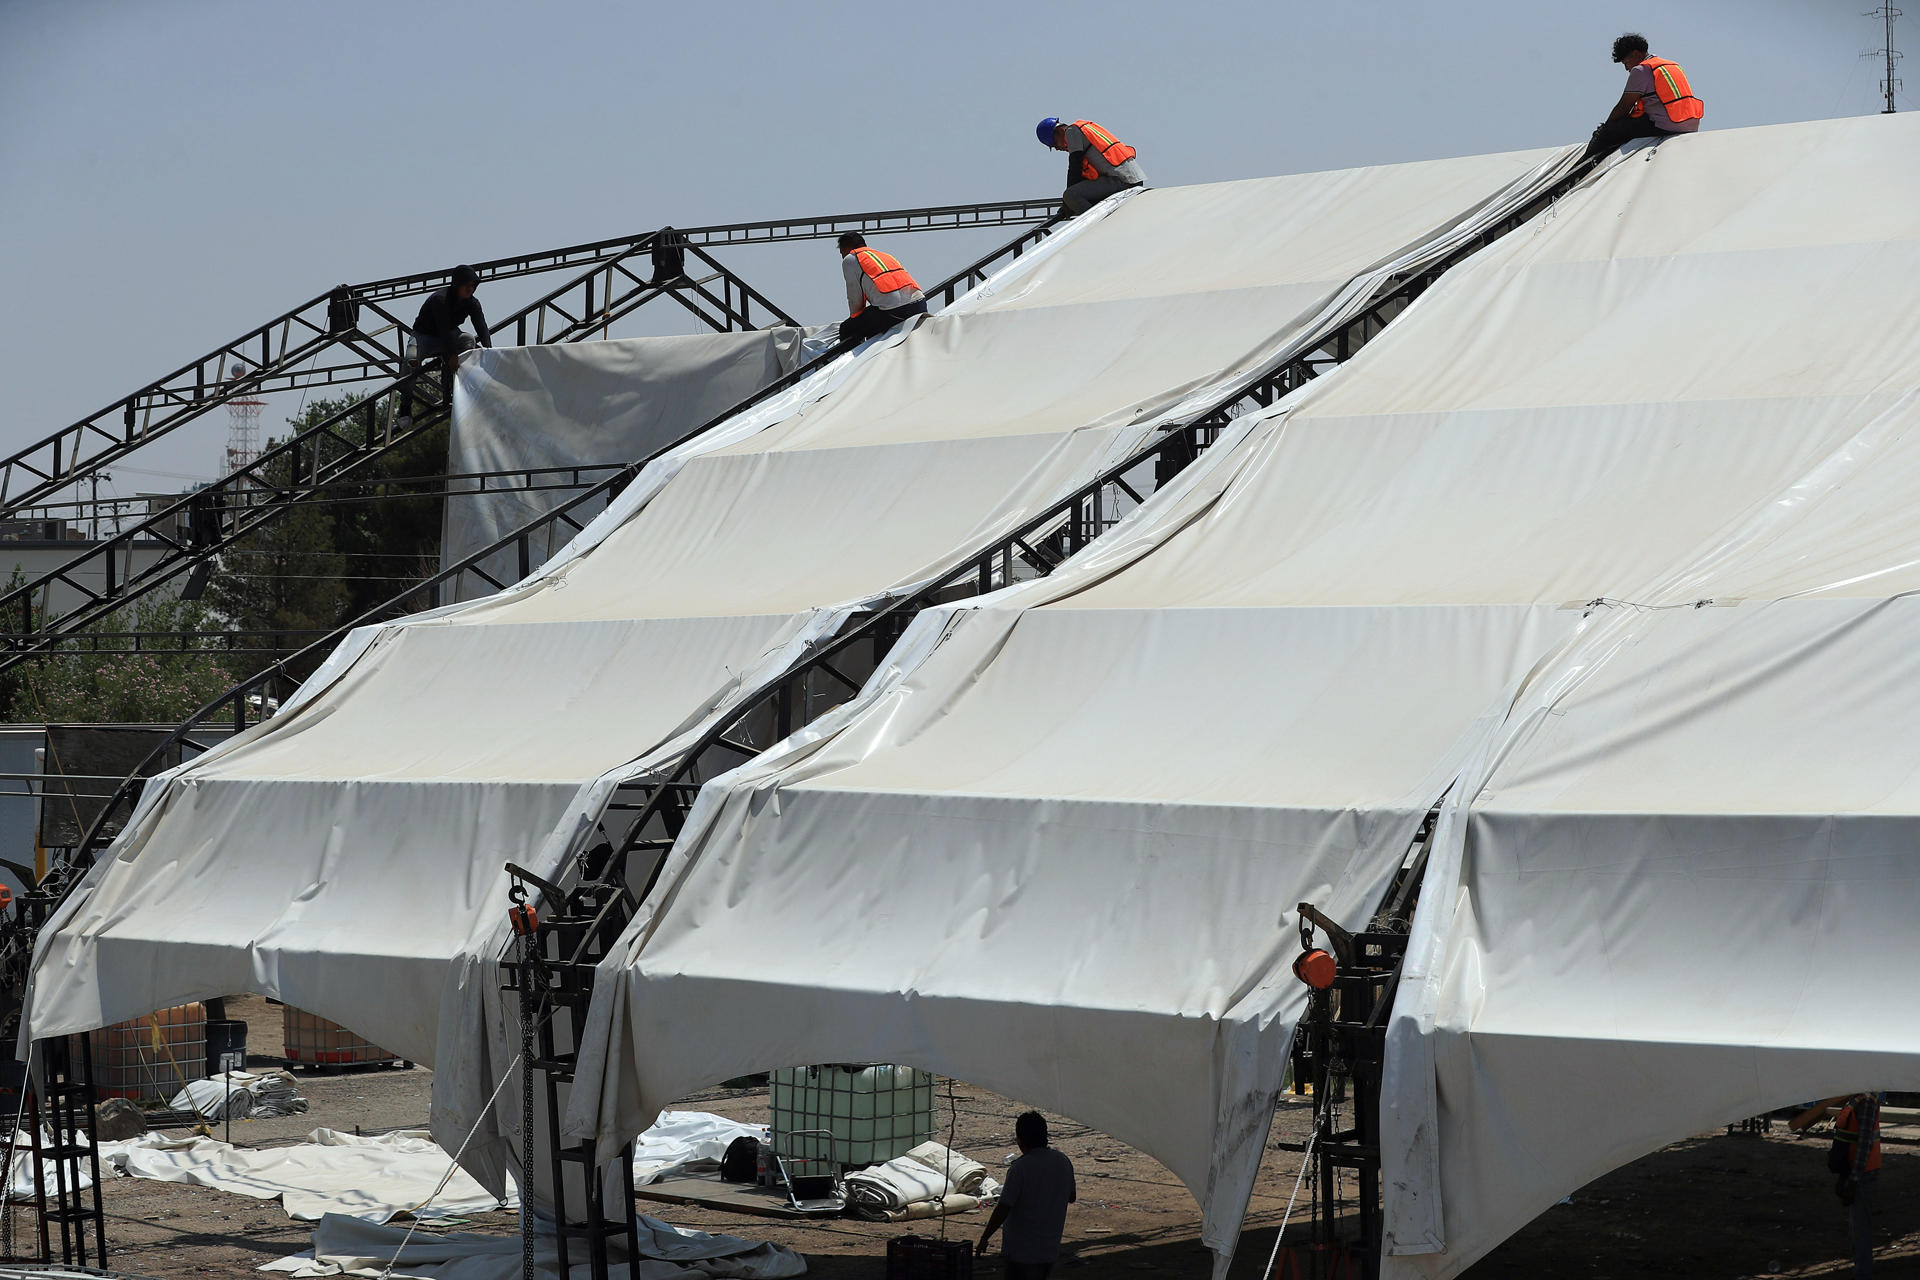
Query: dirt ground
column 1715, row 1207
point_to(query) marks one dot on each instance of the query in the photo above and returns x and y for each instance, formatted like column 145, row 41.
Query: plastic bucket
column 226, row 1045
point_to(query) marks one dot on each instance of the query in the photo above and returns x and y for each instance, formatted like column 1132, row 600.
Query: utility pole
column 1887, row 13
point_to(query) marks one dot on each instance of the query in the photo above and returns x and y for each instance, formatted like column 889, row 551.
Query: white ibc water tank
column 873, row 1112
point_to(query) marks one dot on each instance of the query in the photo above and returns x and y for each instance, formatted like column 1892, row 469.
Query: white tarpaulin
column 352, row 1247
column 581, row 403
column 1685, row 866
column 1058, row 841
column 371, row 1178
column 295, row 860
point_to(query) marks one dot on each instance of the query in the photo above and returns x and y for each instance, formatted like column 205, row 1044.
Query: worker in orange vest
column 1854, row 1160
column 1658, row 100
column 880, row 292
column 1098, row 164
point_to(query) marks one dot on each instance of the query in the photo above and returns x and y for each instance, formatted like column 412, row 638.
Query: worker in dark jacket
column 436, row 330
column 437, row 334
column 1098, row 164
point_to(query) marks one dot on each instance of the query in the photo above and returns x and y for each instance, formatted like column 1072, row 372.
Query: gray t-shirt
column 1640, row 82
column 1039, row 1189
column 1129, row 172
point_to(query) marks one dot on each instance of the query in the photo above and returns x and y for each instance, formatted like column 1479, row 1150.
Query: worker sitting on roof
column 1658, row 100
column 436, row 330
column 880, row 293
column 437, row 334
column 1098, row 164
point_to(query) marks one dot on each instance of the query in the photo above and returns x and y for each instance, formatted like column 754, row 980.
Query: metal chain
column 529, row 950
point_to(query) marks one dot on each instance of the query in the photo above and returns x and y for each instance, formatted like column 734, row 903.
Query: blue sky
column 173, row 173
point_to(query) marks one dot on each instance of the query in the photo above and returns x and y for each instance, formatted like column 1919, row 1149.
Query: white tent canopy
column 347, row 856
column 1053, row 847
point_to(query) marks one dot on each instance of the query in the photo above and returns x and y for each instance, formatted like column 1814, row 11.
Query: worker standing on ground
column 1855, row 1163
column 880, row 292
column 1658, row 100
column 1033, row 1204
column 437, row 334
column 1098, row 164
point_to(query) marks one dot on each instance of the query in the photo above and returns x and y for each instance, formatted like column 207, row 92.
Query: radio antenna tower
column 1887, row 13
column 243, row 424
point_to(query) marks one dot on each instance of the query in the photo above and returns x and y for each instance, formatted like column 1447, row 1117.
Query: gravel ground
column 1715, row 1207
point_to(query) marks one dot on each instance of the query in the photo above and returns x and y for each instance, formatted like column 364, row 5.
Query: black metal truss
column 191, row 530
column 269, row 357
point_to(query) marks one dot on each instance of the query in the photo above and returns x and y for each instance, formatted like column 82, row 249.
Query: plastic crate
column 149, row 1058
column 311, row 1040
column 924, row 1258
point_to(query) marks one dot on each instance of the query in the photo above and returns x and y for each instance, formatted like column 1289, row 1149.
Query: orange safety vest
column 1676, row 95
column 1846, row 1127
column 1111, row 149
column 885, row 271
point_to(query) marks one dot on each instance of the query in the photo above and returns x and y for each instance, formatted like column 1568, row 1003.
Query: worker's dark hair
column 1030, row 1129
column 1632, row 42
column 464, row 274
column 852, row 240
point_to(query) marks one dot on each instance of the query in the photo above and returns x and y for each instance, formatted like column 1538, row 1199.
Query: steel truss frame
column 272, row 352
column 200, row 525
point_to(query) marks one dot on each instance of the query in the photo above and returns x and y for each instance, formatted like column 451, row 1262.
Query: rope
column 13, row 1150
column 1306, row 1158
column 454, row 1164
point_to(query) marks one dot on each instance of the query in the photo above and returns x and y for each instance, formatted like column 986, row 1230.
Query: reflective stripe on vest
column 1111, row 149
column 1846, row 1127
column 885, row 271
column 1675, row 94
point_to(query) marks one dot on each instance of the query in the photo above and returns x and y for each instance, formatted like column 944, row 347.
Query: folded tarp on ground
column 352, row 1247
column 575, row 403
column 1059, row 841
column 295, row 860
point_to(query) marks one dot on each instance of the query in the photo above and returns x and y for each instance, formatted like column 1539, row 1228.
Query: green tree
column 323, row 563
column 98, row 677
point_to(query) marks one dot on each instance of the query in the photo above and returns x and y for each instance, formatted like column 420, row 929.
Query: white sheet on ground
column 352, row 1247
column 1249, row 694
column 687, row 1141
column 370, row 1178
column 578, row 403
column 294, row 860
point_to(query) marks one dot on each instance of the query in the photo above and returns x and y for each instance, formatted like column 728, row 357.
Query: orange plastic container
column 312, row 1040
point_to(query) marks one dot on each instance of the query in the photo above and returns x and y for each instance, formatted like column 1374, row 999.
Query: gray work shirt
column 860, row 288
column 1039, row 1189
column 1129, row 173
column 1640, row 83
